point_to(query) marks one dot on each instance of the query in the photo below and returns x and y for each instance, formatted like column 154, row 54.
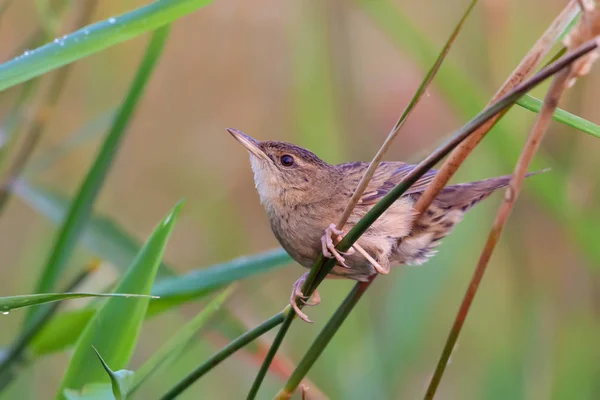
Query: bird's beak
column 248, row 142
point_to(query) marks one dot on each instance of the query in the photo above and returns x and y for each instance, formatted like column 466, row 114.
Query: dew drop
column 112, row 20
column 56, row 40
column 5, row 312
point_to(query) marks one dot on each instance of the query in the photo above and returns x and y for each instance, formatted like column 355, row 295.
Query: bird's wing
column 389, row 175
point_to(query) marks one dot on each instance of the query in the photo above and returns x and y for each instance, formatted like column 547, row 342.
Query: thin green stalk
column 324, row 267
column 225, row 352
column 15, row 352
column 81, row 208
column 323, row 338
column 262, row 372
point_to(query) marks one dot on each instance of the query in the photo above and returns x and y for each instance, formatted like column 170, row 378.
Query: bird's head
column 284, row 169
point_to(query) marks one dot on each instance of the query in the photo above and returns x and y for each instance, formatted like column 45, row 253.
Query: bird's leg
column 378, row 267
column 297, row 294
column 328, row 246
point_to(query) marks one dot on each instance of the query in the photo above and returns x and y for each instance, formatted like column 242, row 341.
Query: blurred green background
column 331, row 76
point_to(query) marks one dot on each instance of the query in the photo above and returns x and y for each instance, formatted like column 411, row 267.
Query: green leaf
column 63, row 330
column 94, row 38
column 171, row 350
column 81, row 208
column 102, row 236
column 115, row 327
column 121, row 380
column 11, row 302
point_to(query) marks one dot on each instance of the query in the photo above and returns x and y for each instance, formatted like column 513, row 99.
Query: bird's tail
column 465, row 195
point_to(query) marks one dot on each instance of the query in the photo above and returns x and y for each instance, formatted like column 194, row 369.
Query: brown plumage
column 303, row 195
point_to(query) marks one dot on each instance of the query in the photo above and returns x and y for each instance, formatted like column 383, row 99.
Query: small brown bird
column 303, row 195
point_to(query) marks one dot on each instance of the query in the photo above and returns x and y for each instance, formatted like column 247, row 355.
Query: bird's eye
column 287, row 160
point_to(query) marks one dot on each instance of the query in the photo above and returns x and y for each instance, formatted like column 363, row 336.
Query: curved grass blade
column 114, row 328
column 81, row 208
column 171, row 350
column 94, row 38
column 13, row 302
column 102, row 236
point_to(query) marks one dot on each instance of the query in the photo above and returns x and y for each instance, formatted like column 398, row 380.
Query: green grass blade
column 120, row 380
column 535, row 105
column 81, row 207
column 94, row 38
column 114, row 328
column 64, row 329
column 171, row 350
column 10, row 303
column 102, row 236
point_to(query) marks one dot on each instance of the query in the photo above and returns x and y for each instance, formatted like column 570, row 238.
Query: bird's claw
column 328, row 247
column 298, row 295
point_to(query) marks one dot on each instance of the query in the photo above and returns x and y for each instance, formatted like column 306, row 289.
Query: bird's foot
column 298, row 295
column 330, row 251
column 328, row 246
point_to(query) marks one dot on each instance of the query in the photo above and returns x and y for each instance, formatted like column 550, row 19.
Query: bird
column 303, row 195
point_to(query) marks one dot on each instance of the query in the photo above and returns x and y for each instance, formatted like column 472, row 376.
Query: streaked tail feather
column 444, row 213
column 463, row 196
